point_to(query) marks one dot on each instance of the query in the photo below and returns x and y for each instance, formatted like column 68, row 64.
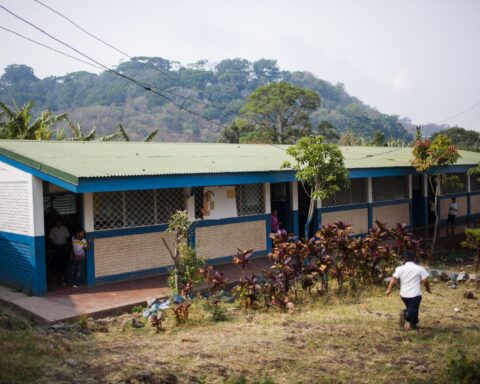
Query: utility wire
column 50, row 48
column 146, row 87
column 460, row 113
column 165, row 73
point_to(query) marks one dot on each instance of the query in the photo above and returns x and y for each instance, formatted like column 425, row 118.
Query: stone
column 290, row 307
column 137, row 323
column 456, row 309
column 434, row 273
column 453, row 286
column 421, row 368
column 463, row 276
column 71, row 362
column 453, row 276
column 57, row 326
column 444, row 277
column 469, row 295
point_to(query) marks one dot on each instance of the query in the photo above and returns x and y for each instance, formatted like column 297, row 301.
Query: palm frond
column 151, row 135
column 123, row 133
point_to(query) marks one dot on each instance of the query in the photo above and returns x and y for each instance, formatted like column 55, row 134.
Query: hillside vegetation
column 216, row 91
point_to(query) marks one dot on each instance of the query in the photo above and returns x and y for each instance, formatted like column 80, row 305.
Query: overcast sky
column 414, row 58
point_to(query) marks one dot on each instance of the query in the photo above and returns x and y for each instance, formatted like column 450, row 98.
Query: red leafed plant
column 243, row 258
column 215, row 279
column 181, row 312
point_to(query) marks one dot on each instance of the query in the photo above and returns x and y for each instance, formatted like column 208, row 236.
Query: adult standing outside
column 411, row 276
column 59, row 238
column 452, row 215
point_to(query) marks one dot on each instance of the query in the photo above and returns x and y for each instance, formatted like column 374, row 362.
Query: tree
column 327, row 130
column 15, row 123
column 378, row 139
column 319, row 167
column 122, row 133
column 430, row 156
column 464, row 139
column 280, row 111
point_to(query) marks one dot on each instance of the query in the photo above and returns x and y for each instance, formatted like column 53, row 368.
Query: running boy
column 410, row 276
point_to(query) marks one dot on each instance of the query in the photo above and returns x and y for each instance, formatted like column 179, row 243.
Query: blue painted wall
column 22, row 262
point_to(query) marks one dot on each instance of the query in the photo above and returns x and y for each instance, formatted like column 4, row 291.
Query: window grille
column 458, row 185
column 390, row 188
column 250, row 199
column 355, row 193
column 168, row 201
column 63, row 204
column 136, row 208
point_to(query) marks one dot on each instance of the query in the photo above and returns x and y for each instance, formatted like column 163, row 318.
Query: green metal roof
column 71, row 161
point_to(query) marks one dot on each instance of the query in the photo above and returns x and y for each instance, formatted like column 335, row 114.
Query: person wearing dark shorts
column 452, row 215
column 59, row 238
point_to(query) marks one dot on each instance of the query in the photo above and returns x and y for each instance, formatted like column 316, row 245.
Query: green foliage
column 104, row 100
column 472, row 241
column 327, row 130
column 15, row 123
column 437, row 153
column 280, row 111
column 462, row 370
column 467, row 140
column 318, row 165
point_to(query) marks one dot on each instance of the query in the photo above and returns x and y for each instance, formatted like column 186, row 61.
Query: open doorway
column 62, row 217
column 280, row 202
column 418, row 203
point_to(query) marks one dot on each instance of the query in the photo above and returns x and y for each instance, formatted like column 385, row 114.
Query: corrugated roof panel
column 73, row 160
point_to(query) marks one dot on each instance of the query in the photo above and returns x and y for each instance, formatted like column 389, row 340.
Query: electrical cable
column 146, row 87
column 165, row 73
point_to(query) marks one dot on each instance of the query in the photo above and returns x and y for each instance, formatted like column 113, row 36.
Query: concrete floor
column 103, row 300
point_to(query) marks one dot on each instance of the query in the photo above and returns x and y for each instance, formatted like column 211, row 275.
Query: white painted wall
column 224, row 203
column 21, row 202
column 88, row 212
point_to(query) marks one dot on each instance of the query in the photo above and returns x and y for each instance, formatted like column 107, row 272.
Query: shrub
column 462, row 370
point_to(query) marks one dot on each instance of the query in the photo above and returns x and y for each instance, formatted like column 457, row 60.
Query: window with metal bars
column 128, row 209
column 355, row 193
column 390, row 188
column 250, row 199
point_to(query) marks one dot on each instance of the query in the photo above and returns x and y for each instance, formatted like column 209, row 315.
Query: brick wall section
column 475, row 204
column 461, row 205
column 392, row 214
column 124, row 254
column 14, row 207
column 223, row 240
column 358, row 218
column 15, row 262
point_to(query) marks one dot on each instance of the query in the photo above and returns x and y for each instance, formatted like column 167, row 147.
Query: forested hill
column 105, row 100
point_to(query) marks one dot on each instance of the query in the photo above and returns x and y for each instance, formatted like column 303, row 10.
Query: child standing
column 79, row 257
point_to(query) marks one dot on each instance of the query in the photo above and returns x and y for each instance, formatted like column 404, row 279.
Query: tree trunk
column 309, row 217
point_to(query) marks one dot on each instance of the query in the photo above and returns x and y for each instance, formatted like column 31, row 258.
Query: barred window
column 355, row 193
column 250, row 199
column 63, row 204
column 456, row 183
column 135, row 208
column 198, row 193
column 390, row 188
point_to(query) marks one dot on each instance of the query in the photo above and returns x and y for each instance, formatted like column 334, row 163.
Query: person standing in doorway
column 79, row 257
column 410, row 276
column 58, row 237
column 452, row 215
column 275, row 225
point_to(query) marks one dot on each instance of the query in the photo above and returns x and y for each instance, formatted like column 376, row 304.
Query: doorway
column 280, row 201
column 64, row 208
column 418, row 203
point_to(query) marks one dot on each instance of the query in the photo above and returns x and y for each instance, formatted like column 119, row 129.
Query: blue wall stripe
column 296, row 224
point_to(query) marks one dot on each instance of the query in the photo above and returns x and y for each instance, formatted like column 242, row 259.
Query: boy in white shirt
column 410, row 276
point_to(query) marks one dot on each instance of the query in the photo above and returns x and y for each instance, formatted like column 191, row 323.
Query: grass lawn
column 348, row 339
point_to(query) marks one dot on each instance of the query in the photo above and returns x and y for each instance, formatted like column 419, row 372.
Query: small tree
column 428, row 157
column 320, row 169
column 472, row 241
column 186, row 263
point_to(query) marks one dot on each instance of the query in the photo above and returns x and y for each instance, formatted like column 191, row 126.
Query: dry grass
column 332, row 340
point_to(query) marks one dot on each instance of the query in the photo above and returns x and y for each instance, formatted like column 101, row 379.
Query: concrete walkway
column 100, row 301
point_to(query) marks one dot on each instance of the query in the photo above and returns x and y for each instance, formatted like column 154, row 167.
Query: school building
column 123, row 194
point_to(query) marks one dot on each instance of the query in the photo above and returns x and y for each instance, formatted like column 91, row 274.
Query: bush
column 462, row 370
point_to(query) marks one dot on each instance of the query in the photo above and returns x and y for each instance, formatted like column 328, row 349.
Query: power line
column 146, row 87
column 165, row 73
column 460, row 113
column 50, row 48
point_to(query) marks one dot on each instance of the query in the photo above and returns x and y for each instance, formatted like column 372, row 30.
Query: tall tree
column 429, row 156
column 327, row 130
column 464, row 139
column 280, row 112
column 16, row 123
column 319, row 167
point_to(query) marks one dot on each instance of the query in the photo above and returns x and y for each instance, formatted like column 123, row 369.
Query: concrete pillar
column 268, row 203
column 294, row 206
